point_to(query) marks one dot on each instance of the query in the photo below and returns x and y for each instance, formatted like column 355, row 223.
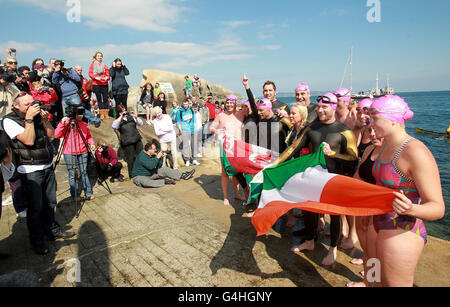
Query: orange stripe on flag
column 340, row 196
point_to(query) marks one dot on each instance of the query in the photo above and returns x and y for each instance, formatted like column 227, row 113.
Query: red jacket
column 212, row 110
column 107, row 157
column 46, row 99
column 69, row 146
column 104, row 75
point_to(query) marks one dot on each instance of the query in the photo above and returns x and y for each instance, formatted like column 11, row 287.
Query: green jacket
column 146, row 165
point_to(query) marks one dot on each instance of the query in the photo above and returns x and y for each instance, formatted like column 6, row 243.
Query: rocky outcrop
column 178, row 83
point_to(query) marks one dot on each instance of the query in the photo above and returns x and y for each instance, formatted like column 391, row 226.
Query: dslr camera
column 73, row 111
column 41, row 105
column 63, row 69
column 5, row 76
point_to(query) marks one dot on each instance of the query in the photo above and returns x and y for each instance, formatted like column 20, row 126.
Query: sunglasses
column 365, row 109
column 12, row 63
column 325, row 99
column 346, row 94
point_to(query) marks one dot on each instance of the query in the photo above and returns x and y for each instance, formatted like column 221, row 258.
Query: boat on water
column 431, row 132
column 374, row 93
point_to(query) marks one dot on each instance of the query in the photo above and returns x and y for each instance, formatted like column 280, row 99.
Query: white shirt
column 13, row 129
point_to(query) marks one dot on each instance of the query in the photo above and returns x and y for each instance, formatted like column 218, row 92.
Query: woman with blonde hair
column 99, row 73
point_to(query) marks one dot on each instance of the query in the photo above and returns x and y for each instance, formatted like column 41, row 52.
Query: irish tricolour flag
column 306, row 184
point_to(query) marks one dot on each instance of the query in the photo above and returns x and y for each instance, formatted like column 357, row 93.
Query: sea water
column 431, row 112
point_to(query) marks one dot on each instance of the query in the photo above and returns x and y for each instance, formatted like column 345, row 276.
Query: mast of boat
column 377, row 90
column 351, row 71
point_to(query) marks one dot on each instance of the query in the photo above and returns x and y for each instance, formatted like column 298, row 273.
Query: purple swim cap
column 303, row 87
column 393, row 108
column 328, row 98
column 344, row 94
column 365, row 103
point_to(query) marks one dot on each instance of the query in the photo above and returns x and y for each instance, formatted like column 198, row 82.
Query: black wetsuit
column 250, row 125
column 280, row 105
column 342, row 161
column 272, row 134
column 312, row 114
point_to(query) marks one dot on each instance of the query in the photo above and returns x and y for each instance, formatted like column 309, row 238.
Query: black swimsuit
column 365, row 170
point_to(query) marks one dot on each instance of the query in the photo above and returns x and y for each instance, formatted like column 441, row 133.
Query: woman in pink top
column 165, row 131
column 99, row 73
column 76, row 154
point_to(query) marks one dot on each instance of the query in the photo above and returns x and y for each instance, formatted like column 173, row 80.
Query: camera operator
column 67, row 79
column 118, row 72
column 149, row 172
column 108, row 163
column 75, row 151
column 130, row 138
column 7, row 91
column 30, row 133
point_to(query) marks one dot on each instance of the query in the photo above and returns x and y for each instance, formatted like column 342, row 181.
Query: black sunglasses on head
column 325, row 99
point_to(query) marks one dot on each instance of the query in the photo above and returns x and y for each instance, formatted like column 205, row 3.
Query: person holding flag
column 341, row 158
column 229, row 123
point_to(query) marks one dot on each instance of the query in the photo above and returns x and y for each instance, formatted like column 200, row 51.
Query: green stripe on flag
column 277, row 176
column 230, row 170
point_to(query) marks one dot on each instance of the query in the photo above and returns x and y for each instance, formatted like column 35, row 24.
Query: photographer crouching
column 68, row 78
column 30, row 134
column 75, row 151
column 108, row 162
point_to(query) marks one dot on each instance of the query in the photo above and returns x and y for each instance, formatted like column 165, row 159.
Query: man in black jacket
column 30, row 133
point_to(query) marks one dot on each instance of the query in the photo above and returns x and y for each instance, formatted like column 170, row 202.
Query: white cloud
column 20, row 47
column 237, row 23
column 144, row 15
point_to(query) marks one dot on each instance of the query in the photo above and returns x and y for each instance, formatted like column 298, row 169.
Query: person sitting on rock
column 149, row 172
column 109, row 166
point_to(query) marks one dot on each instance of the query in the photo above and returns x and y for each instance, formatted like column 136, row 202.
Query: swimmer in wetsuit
column 341, row 157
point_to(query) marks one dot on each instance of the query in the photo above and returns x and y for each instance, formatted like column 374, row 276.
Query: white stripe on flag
column 301, row 187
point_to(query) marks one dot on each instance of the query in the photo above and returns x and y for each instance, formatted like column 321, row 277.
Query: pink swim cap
column 303, row 87
column 245, row 102
column 344, row 94
column 232, row 98
column 328, row 98
column 265, row 104
column 393, row 108
column 365, row 103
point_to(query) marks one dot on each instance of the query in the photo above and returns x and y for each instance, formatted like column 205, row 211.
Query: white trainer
column 195, row 162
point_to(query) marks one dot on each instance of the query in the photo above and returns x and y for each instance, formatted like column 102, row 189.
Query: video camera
column 73, row 111
column 63, row 69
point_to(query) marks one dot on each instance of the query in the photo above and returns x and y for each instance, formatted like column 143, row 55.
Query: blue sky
column 285, row 41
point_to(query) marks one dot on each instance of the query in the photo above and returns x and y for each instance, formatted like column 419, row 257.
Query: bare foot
column 250, row 214
column 321, row 226
column 226, row 202
column 349, row 243
column 357, row 261
column 354, row 284
column 307, row 245
column 330, row 259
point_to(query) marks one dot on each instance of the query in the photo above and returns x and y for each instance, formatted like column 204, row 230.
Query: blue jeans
column 40, row 190
column 74, row 100
column 81, row 161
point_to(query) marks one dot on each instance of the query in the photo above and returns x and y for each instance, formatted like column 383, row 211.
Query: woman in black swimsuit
column 364, row 225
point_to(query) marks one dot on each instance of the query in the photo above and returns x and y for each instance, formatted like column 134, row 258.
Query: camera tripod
column 74, row 165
